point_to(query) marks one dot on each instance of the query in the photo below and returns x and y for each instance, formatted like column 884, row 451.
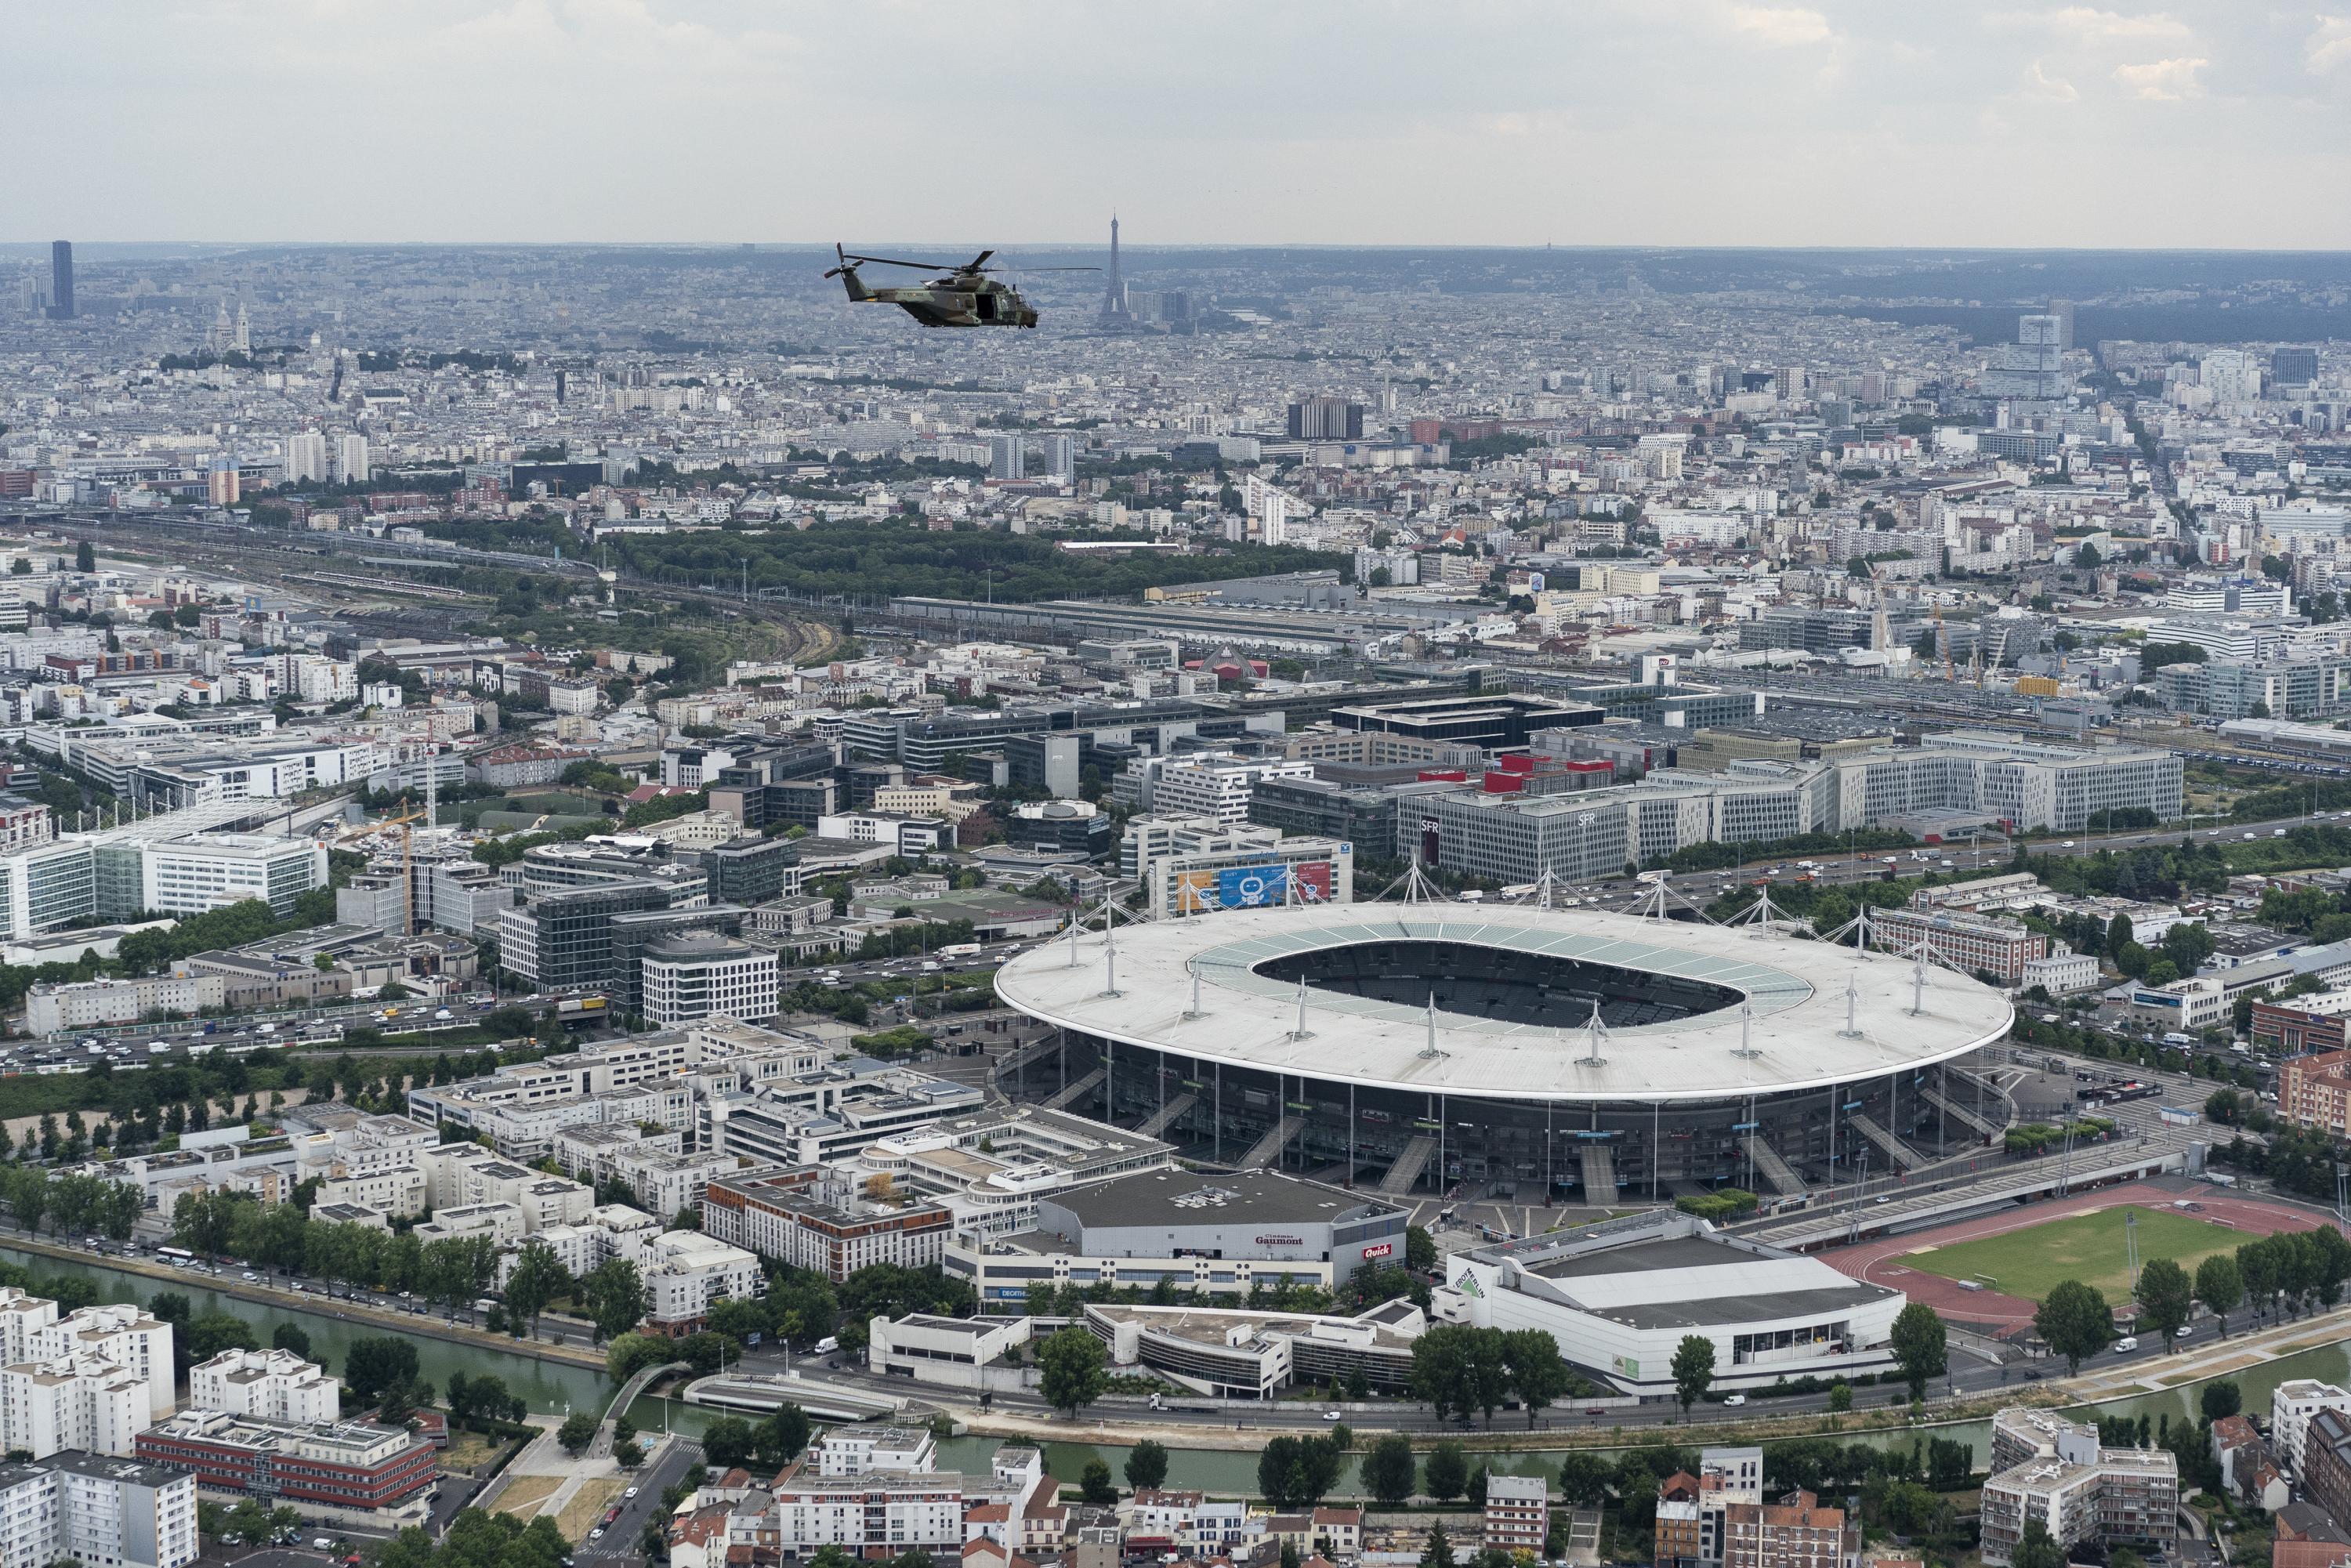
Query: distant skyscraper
column 1326, row 419
column 306, row 457
column 220, row 482
column 2294, row 367
column 352, row 460
column 2230, row 375
column 562, row 384
column 2064, row 310
column 61, row 293
column 1114, row 293
column 1061, row 458
column 1007, row 456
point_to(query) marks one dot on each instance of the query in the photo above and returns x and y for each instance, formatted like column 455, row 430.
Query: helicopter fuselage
column 984, row 303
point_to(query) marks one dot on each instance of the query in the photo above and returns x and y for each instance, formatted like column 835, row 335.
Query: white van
column 2128, row 1342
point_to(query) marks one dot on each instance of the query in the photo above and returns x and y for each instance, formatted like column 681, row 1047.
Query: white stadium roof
column 1796, row 991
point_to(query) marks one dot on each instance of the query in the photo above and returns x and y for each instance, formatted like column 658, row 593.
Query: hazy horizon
column 1840, row 125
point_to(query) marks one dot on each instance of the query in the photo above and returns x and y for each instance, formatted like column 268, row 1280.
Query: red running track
column 1880, row 1262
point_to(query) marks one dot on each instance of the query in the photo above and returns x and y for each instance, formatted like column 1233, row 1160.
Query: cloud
column 2328, row 46
column 2085, row 23
column 2164, row 81
column 1782, row 26
column 2056, row 89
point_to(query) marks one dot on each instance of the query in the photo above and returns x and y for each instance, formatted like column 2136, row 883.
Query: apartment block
column 98, row 1511
column 1518, row 1513
column 276, row 1385
column 775, row 1215
column 2052, row 1470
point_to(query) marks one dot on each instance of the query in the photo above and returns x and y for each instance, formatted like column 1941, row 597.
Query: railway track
column 249, row 550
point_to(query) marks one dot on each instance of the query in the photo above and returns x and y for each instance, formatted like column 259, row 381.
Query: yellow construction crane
column 407, row 866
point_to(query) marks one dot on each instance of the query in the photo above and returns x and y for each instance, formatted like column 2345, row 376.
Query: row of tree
column 2280, row 1274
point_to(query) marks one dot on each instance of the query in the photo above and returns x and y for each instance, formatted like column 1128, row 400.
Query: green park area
column 2092, row 1248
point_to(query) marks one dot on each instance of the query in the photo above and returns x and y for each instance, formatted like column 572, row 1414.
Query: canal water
column 550, row 1386
column 557, row 1388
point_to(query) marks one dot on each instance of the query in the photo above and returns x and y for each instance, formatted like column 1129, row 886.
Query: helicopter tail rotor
column 847, row 273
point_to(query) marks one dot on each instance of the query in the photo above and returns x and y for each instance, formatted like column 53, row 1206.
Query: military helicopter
column 963, row 297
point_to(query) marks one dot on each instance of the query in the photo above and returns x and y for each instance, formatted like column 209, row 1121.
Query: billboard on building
column 1196, row 893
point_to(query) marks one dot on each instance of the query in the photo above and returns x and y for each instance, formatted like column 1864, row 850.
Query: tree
column 2220, row 1286
column 1146, row 1465
column 727, row 1441
column 373, row 1366
column 85, row 558
column 290, row 1336
column 1693, row 1369
column 1438, row 1553
column 1584, row 1478
column 615, row 1296
column 2221, row 1399
column 1459, row 1369
column 1071, row 1370
column 1445, row 1475
column 1536, row 1370
column 2074, row 1321
column 1389, row 1470
column 778, row 1440
column 2165, row 1298
column 578, row 1430
column 1420, row 1249
column 2036, row 1549
column 1919, row 1346
column 1094, row 1484
column 539, row 1276
column 627, row 1453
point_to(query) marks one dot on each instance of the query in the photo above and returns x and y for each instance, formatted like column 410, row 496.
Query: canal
column 549, row 1387
column 557, row 1388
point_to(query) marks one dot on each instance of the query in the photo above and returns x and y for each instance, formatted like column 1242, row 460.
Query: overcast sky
column 1480, row 122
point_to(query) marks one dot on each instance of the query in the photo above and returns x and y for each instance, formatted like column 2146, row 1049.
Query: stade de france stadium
column 1437, row 1046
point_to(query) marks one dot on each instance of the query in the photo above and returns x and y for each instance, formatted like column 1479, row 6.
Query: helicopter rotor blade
column 893, row 261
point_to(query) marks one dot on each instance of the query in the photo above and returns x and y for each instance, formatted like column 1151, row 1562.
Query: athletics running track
column 1880, row 1262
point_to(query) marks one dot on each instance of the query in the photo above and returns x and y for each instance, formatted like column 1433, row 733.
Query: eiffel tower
column 1113, row 308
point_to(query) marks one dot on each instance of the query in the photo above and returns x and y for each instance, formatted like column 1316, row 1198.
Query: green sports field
column 2033, row 1261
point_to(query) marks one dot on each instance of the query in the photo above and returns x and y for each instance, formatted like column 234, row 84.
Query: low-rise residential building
column 777, row 1215
column 2315, row 1091
column 1518, row 1513
column 2325, row 1467
column 876, row 1513
column 2053, row 1471
column 685, row 1271
column 1795, row 1533
column 2293, row 1404
column 855, row 1450
column 276, row 1385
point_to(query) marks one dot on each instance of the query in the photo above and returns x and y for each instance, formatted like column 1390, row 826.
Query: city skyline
column 1706, row 123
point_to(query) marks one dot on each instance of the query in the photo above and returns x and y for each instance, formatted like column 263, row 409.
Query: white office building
column 696, row 974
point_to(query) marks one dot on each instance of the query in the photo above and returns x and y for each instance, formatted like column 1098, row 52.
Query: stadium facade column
column 1217, row 1109
column 1351, row 1136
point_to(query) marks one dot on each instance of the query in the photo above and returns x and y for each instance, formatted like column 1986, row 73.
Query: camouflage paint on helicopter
column 963, row 297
